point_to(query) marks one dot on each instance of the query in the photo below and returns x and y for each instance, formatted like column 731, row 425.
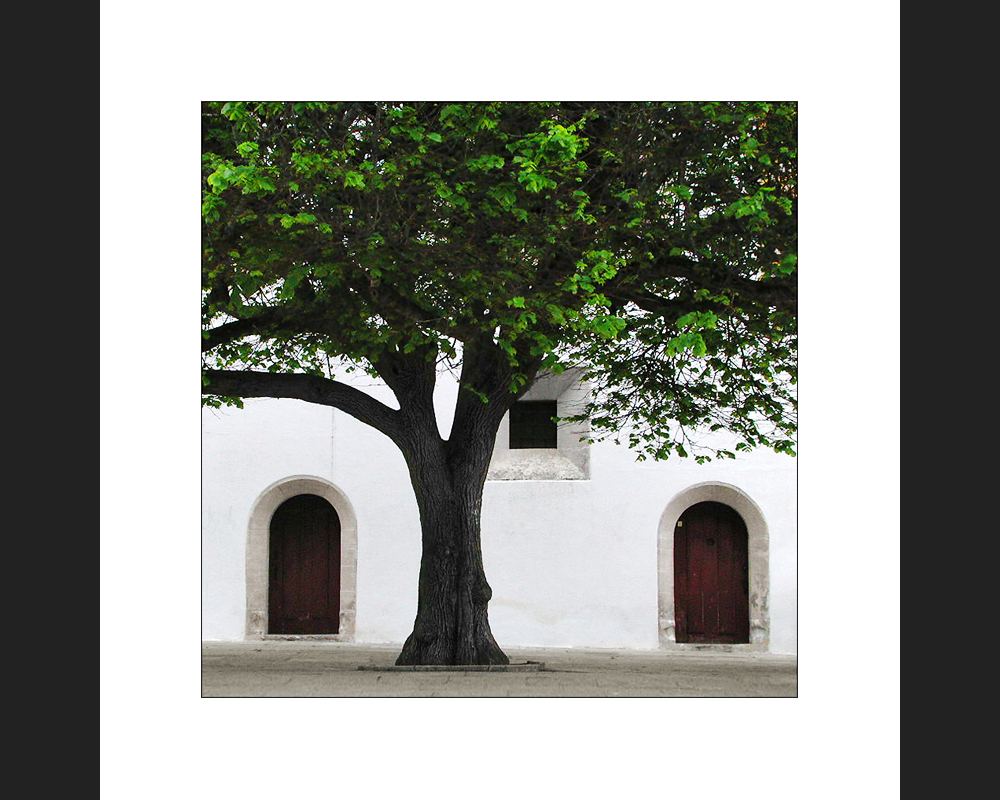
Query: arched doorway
column 757, row 558
column 711, row 576
column 258, row 577
column 304, row 567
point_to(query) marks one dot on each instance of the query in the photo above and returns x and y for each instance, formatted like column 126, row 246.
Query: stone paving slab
column 318, row 668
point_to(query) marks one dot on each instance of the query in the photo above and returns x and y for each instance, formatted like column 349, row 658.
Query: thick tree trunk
column 451, row 626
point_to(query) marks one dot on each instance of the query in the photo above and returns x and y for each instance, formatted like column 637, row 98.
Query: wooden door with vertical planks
column 304, row 573
column 711, row 576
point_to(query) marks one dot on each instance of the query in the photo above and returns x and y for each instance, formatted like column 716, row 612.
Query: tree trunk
column 451, row 626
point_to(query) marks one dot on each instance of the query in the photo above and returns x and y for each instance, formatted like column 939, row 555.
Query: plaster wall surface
column 572, row 562
column 243, row 452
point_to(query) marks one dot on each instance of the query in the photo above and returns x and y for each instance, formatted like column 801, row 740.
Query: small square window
column 532, row 424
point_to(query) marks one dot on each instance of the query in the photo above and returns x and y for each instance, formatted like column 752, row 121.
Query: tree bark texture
column 451, row 625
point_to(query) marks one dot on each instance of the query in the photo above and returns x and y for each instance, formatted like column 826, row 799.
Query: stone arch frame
column 258, row 534
column 758, row 550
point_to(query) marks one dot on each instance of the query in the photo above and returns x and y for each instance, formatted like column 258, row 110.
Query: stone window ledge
column 534, row 465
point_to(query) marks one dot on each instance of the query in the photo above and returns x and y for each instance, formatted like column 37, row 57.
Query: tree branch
column 486, row 376
column 780, row 292
column 310, row 388
column 227, row 332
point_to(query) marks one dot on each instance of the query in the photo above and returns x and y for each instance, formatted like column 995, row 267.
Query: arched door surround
column 757, row 560
column 258, row 552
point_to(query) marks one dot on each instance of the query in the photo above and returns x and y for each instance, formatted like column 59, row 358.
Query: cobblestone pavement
column 318, row 668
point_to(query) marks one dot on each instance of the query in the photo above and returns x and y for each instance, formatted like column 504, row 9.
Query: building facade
column 310, row 527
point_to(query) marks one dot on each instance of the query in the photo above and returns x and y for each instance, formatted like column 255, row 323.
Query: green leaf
column 354, row 179
column 787, row 265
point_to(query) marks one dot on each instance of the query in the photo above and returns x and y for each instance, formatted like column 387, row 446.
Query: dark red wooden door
column 711, row 576
column 304, row 586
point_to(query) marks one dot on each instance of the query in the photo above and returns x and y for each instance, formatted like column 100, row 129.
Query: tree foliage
column 653, row 243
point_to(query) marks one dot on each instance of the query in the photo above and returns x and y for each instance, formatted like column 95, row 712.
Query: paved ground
column 317, row 668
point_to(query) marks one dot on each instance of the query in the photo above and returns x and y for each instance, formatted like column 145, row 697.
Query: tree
column 654, row 243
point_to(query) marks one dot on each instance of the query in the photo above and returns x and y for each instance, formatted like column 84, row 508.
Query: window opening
column 532, row 424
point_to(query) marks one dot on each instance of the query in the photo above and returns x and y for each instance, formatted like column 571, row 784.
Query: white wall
column 571, row 562
column 243, row 452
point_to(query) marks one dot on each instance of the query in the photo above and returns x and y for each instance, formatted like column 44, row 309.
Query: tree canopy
column 652, row 243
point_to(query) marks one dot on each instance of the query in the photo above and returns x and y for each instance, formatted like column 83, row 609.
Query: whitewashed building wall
column 576, row 541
